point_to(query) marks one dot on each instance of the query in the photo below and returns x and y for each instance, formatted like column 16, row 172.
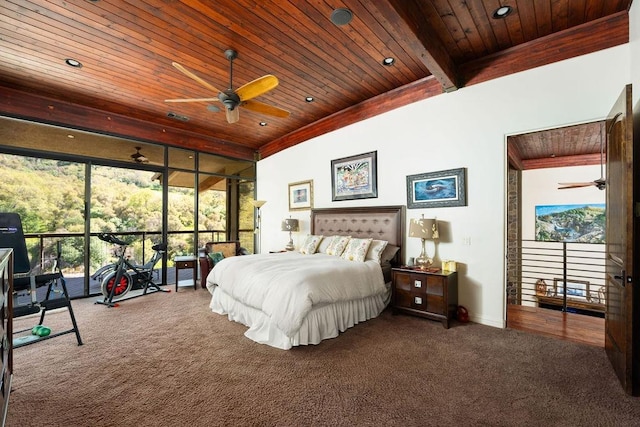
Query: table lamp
column 425, row 229
column 290, row 225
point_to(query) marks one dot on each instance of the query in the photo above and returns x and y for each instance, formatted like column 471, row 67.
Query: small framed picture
column 437, row 189
column 301, row 195
column 354, row 177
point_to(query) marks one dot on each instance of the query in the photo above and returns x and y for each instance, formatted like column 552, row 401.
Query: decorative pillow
column 324, row 244
column 310, row 244
column 388, row 253
column 216, row 257
column 356, row 249
column 337, row 246
column 375, row 250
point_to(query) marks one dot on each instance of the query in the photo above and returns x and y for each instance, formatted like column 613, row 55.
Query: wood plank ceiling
column 127, row 47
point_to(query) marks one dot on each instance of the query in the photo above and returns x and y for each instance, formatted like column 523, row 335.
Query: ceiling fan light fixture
column 502, row 12
column 341, row 16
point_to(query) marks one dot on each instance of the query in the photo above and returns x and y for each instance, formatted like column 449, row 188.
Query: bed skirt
column 322, row 322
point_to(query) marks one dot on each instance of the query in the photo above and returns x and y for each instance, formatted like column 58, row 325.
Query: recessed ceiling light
column 388, row 61
column 309, row 99
column 341, row 16
column 263, row 124
column 70, row 136
column 502, row 12
column 73, row 63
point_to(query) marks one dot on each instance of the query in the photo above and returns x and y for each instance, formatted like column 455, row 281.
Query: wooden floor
column 552, row 323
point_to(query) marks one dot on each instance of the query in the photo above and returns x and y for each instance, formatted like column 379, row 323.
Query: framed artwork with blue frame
column 437, row 189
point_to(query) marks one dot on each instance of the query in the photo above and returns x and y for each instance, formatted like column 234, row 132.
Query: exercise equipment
column 122, row 276
column 26, row 282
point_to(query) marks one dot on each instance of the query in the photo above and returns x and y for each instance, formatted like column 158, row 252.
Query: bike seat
column 161, row 247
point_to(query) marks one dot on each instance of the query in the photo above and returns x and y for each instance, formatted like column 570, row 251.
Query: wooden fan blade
column 233, row 115
column 257, row 87
column 194, row 77
column 192, row 100
column 566, row 185
column 270, row 110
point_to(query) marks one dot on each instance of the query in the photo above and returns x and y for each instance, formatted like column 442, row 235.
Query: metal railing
column 564, row 276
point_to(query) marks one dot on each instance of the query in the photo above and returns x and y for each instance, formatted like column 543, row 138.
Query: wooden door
column 619, row 329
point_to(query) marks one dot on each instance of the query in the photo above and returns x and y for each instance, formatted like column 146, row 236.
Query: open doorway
column 556, row 236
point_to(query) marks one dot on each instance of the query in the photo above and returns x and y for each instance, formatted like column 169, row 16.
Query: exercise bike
column 121, row 276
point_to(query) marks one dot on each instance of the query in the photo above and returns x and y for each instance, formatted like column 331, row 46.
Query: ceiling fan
column 241, row 97
column 138, row 157
column 599, row 183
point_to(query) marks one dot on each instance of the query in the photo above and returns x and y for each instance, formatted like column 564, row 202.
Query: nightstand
column 189, row 263
column 429, row 294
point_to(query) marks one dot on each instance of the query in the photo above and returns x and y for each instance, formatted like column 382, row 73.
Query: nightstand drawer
column 417, row 301
column 410, row 282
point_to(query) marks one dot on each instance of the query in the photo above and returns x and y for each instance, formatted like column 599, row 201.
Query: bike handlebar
column 110, row 238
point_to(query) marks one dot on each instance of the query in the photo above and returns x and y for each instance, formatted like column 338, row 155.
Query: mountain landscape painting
column 571, row 223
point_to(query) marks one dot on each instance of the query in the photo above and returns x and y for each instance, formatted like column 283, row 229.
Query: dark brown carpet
column 166, row 360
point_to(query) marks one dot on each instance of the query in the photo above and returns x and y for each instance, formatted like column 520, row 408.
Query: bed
column 311, row 294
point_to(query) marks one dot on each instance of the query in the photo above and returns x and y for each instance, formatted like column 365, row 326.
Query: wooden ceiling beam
column 423, row 42
column 562, row 161
column 24, row 105
column 593, row 36
column 413, row 92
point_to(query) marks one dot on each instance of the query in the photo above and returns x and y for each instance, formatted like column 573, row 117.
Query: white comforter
column 286, row 286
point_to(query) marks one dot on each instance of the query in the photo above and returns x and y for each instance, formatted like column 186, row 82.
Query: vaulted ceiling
column 127, row 48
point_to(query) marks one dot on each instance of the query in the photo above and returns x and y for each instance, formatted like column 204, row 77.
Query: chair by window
column 214, row 252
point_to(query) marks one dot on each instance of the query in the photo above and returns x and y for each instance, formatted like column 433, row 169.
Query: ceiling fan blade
column 195, row 77
column 233, row 115
column 567, row 185
column 257, row 87
column 260, row 107
column 192, row 100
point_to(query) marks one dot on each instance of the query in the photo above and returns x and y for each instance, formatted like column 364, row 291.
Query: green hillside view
column 49, row 196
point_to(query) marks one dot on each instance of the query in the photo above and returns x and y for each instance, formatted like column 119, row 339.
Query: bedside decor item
column 290, row 225
column 354, row 177
column 425, row 229
column 437, row 189
column 301, row 195
column 258, row 204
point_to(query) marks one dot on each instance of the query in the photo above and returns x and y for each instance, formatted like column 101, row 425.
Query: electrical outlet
column 466, row 241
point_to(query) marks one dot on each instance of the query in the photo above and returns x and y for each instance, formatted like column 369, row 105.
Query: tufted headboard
column 377, row 222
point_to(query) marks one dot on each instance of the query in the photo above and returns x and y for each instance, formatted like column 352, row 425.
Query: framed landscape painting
column 354, row 177
column 437, row 189
column 582, row 223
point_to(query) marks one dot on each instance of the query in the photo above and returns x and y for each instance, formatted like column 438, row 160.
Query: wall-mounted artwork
column 354, row 177
column 437, row 189
column 301, row 195
column 584, row 223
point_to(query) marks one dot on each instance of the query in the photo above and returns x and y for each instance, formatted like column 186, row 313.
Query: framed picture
column 437, row 189
column 584, row 223
column 354, row 177
column 576, row 289
column 301, row 195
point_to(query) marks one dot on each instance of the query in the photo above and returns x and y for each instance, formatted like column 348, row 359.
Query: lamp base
column 289, row 246
column 423, row 262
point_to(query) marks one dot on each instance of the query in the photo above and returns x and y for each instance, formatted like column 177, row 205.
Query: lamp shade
column 258, row 203
column 290, row 224
column 423, row 228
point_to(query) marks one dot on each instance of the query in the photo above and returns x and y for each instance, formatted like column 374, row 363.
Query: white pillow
column 337, row 246
column 375, row 250
column 310, row 244
column 324, row 244
column 356, row 249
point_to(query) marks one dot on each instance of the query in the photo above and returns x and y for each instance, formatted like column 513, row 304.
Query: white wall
column 466, row 128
